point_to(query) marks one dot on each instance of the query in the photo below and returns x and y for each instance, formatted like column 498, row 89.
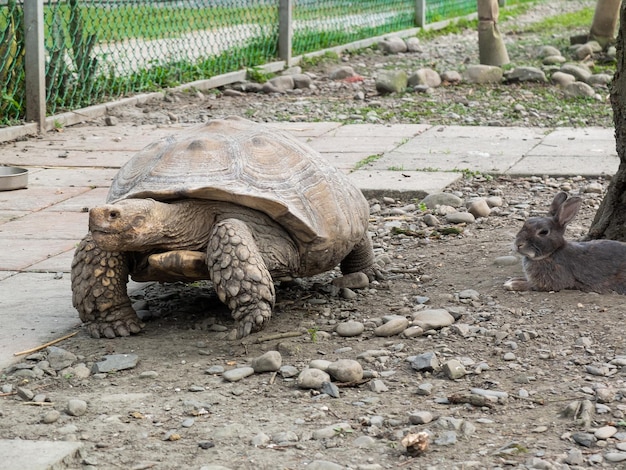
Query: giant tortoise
column 231, row 201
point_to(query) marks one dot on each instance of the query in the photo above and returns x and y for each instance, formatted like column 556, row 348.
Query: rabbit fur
column 552, row 263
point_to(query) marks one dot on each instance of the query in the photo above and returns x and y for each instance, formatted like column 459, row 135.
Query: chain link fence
column 99, row 50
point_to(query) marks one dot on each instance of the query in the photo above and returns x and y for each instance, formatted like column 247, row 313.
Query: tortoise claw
column 110, row 330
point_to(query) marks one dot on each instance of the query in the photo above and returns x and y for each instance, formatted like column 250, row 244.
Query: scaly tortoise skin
column 231, row 201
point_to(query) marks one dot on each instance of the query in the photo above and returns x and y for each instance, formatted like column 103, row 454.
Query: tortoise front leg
column 240, row 276
column 99, row 292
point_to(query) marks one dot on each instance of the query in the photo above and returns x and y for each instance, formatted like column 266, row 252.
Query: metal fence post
column 285, row 30
column 34, row 63
column 420, row 13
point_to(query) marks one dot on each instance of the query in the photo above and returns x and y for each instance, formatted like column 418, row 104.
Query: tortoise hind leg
column 361, row 259
column 99, row 291
column 240, row 275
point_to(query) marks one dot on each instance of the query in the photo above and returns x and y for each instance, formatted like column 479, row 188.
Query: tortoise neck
column 186, row 224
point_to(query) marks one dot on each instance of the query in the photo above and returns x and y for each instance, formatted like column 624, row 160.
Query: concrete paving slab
column 473, row 161
column 570, row 142
column 19, row 254
column 7, row 215
column 86, row 200
column 441, row 148
column 61, row 177
column 36, row 198
column 305, row 129
column 6, row 274
column 380, row 130
column 565, row 166
column 70, row 158
column 402, row 184
column 371, row 145
column 52, row 224
column 20, row 454
column 38, row 308
column 61, row 263
column 345, row 160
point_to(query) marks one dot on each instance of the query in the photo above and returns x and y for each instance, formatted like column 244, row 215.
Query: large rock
column 341, row 73
column 391, row 81
column 282, row 83
column 580, row 72
column 578, row 89
column 392, row 45
column 562, row 79
column 442, row 199
column 483, row 74
column 527, row 74
column 426, row 77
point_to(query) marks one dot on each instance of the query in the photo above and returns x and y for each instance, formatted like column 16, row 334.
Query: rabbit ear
column 568, row 210
column 557, row 202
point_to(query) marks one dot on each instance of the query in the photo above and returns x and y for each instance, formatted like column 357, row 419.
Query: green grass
column 565, row 22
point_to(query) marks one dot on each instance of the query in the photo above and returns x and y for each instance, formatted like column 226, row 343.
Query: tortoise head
column 127, row 225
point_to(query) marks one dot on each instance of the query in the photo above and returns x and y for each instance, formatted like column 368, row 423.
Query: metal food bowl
column 12, row 177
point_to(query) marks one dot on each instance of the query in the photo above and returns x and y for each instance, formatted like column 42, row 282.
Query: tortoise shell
column 238, row 161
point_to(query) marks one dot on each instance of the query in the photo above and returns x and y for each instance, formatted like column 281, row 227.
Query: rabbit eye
column 544, row 231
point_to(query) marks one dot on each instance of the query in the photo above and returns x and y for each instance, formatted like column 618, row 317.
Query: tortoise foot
column 252, row 319
column 123, row 323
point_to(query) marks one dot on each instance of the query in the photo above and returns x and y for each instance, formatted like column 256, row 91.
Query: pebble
column 76, row 407
column 420, row 417
column 454, row 369
column 605, row 432
column 288, row 371
column 363, row 442
column 268, row 362
column 442, row 199
column 446, row 438
column 115, row 362
column 234, row 375
column 425, row 362
column 460, row 218
column 321, row 364
column 432, row 319
column 392, row 327
column 378, row 386
column 349, row 329
column 331, row 431
column 413, row 331
column 51, row 417
column 215, row 370
column 324, row 465
column 261, row 439
column 584, row 439
column 149, row 374
column 614, row 457
column 425, row 389
column 59, row 358
column 330, row 389
column 479, row 208
column 346, row 370
column 312, row 379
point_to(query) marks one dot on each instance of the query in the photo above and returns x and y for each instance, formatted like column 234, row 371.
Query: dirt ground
column 536, row 352
column 169, row 412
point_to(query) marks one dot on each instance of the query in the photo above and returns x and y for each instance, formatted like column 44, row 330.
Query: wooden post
column 420, row 13
column 285, row 30
column 34, row 62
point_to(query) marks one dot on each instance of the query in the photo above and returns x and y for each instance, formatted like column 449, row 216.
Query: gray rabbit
column 552, row 263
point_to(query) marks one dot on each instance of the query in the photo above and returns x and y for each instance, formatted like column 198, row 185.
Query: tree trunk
column 610, row 220
column 605, row 21
column 491, row 48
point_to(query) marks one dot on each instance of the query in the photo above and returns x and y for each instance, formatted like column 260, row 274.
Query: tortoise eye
column 544, row 232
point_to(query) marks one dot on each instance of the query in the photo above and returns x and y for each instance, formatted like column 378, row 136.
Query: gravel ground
column 496, row 379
